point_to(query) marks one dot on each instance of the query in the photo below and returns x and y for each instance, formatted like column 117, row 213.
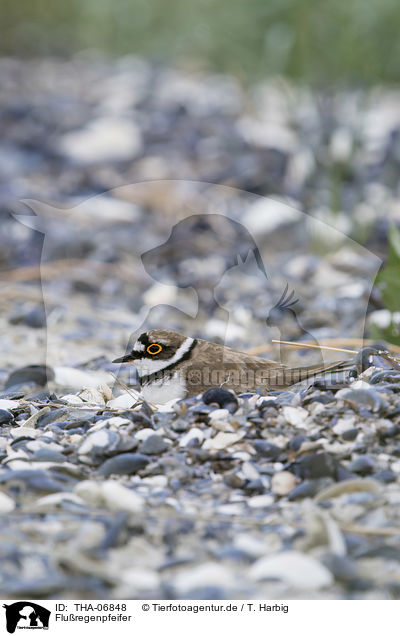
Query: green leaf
column 388, row 279
column 394, row 246
column 388, row 282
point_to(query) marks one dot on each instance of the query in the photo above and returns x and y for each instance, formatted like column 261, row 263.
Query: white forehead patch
column 138, row 346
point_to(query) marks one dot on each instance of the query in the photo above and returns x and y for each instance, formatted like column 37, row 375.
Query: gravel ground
column 291, row 495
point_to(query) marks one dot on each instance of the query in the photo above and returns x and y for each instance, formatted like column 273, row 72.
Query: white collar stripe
column 147, row 366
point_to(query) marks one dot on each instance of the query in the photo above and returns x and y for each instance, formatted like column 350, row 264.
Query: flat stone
column 153, row 445
column 125, row 464
column 296, row 569
column 5, row 416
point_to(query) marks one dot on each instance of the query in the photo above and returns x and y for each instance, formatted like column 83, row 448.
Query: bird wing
column 226, row 355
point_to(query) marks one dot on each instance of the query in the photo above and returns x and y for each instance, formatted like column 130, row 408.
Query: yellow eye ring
column 151, row 349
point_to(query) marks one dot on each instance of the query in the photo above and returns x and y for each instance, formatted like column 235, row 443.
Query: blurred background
column 295, row 102
column 349, row 42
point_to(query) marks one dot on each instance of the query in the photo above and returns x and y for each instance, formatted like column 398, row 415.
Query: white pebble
column 260, row 501
column 296, row 416
column 283, row 482
column 103, row 139
column 98, row 439
column 118, row 497
column 57, row 498
column 71, row 399
column 193, row 433
column 250, row 471
column 203, row 575
column 9, row 405
column 92, row 396
column 250, row 544
column 124, row 401
column 144, row 433
column 344, row 424
column 90, row 491
column 117, row 421
column 24, row 432
column 141, row 578
column 395, row 467
column 6, row 503
column 223, row 440
column 294, row 568
column 155, row 482
column 219, row 415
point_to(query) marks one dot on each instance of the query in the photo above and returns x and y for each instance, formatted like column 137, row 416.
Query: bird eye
column 153, row 349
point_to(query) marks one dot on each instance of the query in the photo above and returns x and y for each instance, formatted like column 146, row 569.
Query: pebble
column 9, row 404
column 99, row 443
column 387, row 476
column 260, row 501
column 294, row 568
column 144, row 433
column 295, row 416
column 36, row 480
column 342, row 568
column 363, row 397
column 58, row 499
column 201, row 576
column 34, row 373
column 118, row 497
column 153, row 445
column 224, row 398
column 343, row 425
column 141, row 579
column 194, row 434
column 222, row 440
column 219, row 419
column 90, row 491
column 305, row 489
column 92, row 395
column 362, row 465
column 316, row 465
column 5, row 416
column 125, row 464
column 71, row 399
column 103, row 139
column 47, row 455
column 124, row 401
column 266, row 449
column 282, row 483
column 250, row 471
column 7, row 504
column 350, row 434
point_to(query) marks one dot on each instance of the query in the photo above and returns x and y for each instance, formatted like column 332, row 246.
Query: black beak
column 128, row 358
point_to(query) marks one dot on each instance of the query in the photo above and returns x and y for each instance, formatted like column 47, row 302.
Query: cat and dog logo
column 26, row 615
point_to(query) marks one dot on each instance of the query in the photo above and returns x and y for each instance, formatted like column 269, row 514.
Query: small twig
column 124, row 386
column 83, row 406
column 351, row 342
column 359, row 529
column 53, row 269
column 302, row 345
